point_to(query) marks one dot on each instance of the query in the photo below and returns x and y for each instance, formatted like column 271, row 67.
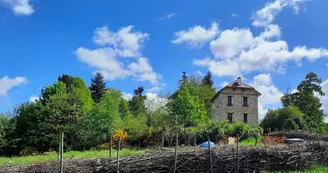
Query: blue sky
column 270, row 44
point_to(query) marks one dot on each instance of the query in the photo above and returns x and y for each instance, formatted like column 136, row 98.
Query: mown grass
column 249, row 142
column 315, row 169
column 67, row 155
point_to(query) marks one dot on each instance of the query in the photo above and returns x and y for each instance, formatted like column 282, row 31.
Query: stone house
column 236, row 102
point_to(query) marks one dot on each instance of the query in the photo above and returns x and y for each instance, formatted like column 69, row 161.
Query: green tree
column 137, row 103
column 206, row 92
column 78, row 90
column 103, row 119
column 306, row 100
column 186, row 107
column 285, row 118
column 207, row 80
column 97, row 87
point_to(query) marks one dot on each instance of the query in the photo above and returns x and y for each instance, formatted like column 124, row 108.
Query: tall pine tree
column 137, row 106
column 207, row 80
column 207, row 91
column 97, row 87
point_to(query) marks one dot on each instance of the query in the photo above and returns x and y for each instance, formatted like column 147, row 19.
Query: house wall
column 221, row 109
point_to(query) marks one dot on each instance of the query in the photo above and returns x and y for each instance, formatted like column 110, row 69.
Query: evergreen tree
column 97, row 87
column 304, row 98
column 207, row 91
column 207, row 80
column 137, row 106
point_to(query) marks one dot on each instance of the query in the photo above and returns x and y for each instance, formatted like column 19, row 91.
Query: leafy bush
column 285, row 118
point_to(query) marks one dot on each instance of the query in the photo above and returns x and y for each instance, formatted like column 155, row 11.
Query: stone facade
column 243, row 107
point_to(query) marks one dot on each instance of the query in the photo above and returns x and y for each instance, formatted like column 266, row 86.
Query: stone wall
column 221, row 109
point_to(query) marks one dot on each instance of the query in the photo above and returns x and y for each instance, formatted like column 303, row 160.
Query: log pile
column 251, row 159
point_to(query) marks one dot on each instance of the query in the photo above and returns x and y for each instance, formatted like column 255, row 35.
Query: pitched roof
column 235, row 84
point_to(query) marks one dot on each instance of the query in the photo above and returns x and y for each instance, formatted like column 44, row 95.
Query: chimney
column 239, row 81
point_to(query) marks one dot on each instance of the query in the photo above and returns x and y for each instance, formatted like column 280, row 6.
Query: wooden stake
column 267, row 166
column 110, row 146
column 195, row 143
column 299, row 157
column 176, row 152
column 59, row 147
column 118, row 155
column 237, row 167
column 61, row 152
column 210, row 153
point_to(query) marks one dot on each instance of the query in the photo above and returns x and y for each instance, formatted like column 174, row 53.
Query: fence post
column 209, row 151
column 266, row 151
column 61, row 152
column 195, row 143
column 110, row 145
column 237, row 167
column 118, row 155
column 176, row 153
column 59, row 147
column 299, row 157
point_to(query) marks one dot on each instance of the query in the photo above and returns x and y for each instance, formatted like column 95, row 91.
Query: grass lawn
column 250, row 142
column 68, row 155
column 315, row 169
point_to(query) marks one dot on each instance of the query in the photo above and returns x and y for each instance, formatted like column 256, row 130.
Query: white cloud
column 127, row 96
column 224, row 83
column 234, row 15
column 219, row 68
column 237, row 51
column 171, row 15
column 126, row 42
column 196, row 36
column 143, row 71
column 270, row 93
column 231, row 42
column 271, row 31
column 7, row 83
column 268, row 13
column 19, row 7
column 33, row 98
column 155, row 102
column 199, row 73
column 115, row 45
column 154, row 89
column 324, row 99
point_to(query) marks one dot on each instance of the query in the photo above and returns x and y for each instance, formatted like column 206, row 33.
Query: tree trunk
column 163, row 138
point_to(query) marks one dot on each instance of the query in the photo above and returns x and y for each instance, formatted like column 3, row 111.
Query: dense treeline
column 302, row 109
column 89, row 115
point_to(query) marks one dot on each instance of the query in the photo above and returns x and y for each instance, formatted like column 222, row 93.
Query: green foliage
column 206, row 92
column 102, row 120
column 285, row 118
column 207, row 80
column 137, row 103
column 241, row 129
column 97, row 87
column 186, row 107
column 306, row 100
column 4, row 123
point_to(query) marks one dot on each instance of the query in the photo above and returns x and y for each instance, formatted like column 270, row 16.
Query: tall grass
column 92, row 154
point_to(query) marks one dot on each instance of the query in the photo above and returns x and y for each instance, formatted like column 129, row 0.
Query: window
column 245, row 101
column 230, row 117
column 229, row 100
column 245, row 118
